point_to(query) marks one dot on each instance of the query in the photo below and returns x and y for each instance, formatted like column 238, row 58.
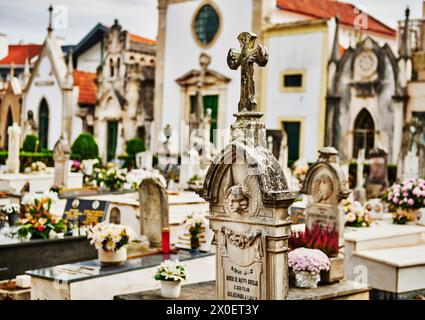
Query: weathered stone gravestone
column 61, row 155
column 249, row 198
column 12, row 162
column 153, row 210
column 327, row 185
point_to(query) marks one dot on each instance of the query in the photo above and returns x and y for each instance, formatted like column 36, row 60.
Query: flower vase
column 112, row 257
column 194, row 244
column 170, row 289
column 13, row 219
column 305, row 279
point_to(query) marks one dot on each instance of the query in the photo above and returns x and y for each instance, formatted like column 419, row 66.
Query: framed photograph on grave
column 86, row 212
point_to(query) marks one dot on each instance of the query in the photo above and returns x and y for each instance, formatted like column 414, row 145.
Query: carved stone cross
column 246, row 59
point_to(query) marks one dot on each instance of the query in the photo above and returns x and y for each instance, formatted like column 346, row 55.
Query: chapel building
column 291, row 90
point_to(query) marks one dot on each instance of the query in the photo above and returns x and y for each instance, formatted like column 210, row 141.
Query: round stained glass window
column 206, row 24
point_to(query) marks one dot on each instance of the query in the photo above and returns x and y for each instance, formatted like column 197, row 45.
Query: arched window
column 9, row 123
column 43, row 124
column 364, row 133
column 111, row 68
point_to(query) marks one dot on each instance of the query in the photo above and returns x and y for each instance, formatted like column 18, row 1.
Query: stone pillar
column 12, row 162
column 159, row 73
column 360, row 191
column 249, row 199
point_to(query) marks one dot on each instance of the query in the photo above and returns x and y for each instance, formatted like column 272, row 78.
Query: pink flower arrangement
column 407, row 195
column 311, row 260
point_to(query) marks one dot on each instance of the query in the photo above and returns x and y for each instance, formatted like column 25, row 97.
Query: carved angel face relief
column 322, row 188
column 236, row 199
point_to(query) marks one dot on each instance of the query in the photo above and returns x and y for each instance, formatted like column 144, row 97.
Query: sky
column 26, row 20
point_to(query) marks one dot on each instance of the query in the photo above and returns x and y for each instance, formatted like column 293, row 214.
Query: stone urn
column 306, row 279
column 170, row 289
column 112, row 257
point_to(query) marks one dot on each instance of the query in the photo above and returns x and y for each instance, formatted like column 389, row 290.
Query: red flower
column 41, row 228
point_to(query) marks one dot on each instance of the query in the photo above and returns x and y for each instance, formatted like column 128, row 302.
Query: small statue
column 31, row 127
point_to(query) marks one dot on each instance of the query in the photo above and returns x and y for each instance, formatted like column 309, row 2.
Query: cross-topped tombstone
column 245, row 59
column 249, row 199
column 326, row 184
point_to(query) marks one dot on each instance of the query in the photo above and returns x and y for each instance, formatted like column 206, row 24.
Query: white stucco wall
column 52, row 94
column 182, row 54
column 90, row 60
column 301, row 51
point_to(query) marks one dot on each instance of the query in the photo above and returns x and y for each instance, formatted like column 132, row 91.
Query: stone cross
column 246, row 59
column 360, row 167
column 12, row 162
column 359, row 192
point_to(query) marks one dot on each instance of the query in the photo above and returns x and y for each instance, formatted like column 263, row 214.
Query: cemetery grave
column 177, row 172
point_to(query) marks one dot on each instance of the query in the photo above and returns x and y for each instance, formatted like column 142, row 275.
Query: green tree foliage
column 84, row 147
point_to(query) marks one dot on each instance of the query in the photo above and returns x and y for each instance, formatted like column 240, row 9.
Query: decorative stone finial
column 246, row 59
column 50, row 27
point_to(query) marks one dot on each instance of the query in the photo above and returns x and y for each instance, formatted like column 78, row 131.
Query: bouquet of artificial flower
column 114, row 178
column 195, row 224
column 37, row 166
column 133, row 180
column 355, row 215
column 29, row 198
column 171, row 271
column 408, row 195
column 11, row 208
column 110, row 237
column 39, row 222
column 310, row 260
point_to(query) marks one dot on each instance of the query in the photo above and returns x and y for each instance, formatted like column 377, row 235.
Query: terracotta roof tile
column 326, row 9
column 19, row 52
column 86, row 82
column 136, row 38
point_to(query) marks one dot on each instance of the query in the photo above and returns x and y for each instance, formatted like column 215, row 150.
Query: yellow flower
column 42, row 221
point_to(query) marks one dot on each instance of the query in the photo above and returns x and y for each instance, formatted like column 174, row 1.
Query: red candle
column 165, row 240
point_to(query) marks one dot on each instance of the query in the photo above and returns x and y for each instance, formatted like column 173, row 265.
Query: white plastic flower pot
column 170, row 289
column 420, row 220
column 112, row 257
column 305, row 279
